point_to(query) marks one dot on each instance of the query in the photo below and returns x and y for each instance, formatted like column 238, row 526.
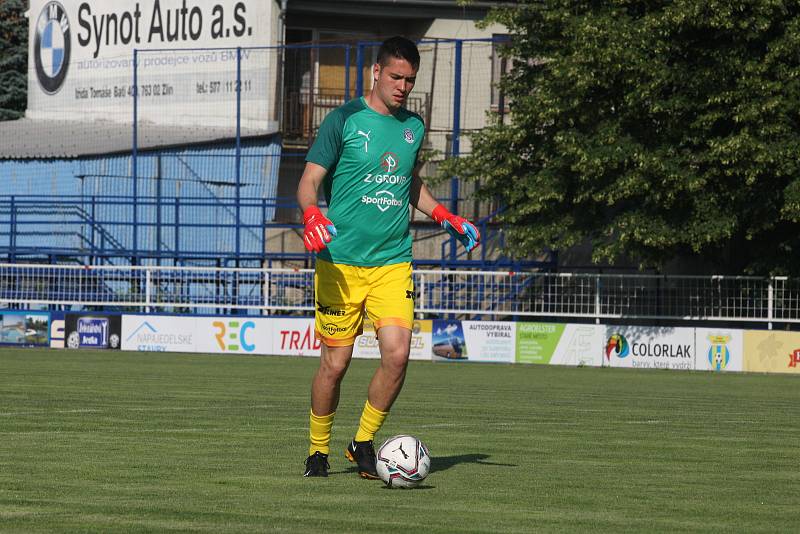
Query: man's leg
column 338, row 320
column 325, row 389
column 333, row 364
column 395, row 345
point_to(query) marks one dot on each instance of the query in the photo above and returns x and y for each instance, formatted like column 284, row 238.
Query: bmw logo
column 52, row 47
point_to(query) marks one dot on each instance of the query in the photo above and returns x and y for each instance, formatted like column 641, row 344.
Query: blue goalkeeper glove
column 458, row 227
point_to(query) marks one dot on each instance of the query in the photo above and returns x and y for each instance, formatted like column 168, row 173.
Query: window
column 500, row 66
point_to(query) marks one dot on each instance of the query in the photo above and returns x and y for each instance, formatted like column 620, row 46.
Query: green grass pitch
column 125, row 442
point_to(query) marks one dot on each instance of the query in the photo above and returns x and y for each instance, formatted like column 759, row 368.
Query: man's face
column 394, row 81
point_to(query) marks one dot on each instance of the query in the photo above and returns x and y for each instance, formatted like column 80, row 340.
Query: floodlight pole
column 456, row 146
column 360, row 70
column 347, row 73
column 135, row 154
column 238, row 149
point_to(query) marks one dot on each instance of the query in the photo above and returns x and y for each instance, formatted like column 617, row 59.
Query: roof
column 399, row 8
column 41, row 139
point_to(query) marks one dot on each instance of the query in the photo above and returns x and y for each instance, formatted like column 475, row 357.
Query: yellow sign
column 772, row 352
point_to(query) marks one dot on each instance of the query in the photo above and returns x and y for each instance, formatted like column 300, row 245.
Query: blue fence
column 217, row 202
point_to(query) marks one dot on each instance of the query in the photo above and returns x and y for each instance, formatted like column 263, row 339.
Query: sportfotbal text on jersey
column 164, row 25
column 381, row 202
column 385, row 179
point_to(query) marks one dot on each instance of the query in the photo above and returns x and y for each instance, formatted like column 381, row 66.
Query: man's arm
column 421, row 197
column 458, row 227
column 318, row 228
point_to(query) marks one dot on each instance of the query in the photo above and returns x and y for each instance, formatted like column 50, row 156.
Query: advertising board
column 649, row 347
column 559, row 344
column 92, row 330
column 81, row 58
column 772, row 351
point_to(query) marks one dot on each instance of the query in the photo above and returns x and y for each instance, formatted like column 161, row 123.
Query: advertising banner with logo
column 719, row 349
column 234, row 335
column 24, row 328
column 152, row 333
column 367, row 344
column 649, row 347
column 559, row 344
column 81, row 58
column 475, row 341
column 92, row 330
column 294, row 337
column 57, row 326
column 772, row 352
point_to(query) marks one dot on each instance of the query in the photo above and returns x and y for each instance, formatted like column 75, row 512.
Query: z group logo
column 389, row 161
column 52, row 47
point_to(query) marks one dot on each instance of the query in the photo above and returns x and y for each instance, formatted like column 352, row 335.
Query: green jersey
column 370, row 158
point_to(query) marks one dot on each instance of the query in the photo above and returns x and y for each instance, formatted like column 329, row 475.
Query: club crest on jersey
column 51, row 47
column 408, row 135
column 389, row 161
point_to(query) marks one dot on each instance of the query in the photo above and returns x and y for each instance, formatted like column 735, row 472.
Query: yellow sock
column 371, row 421
column 320, row 433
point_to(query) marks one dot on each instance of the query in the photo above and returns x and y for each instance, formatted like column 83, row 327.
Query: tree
column 13, row 59
column 654, row 129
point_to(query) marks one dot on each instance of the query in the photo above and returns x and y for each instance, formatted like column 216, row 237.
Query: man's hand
column 458, row 227
column 319, row 229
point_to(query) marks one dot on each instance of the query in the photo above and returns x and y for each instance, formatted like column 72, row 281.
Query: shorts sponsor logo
column 383, row 200
column 331, row 329
column 52, row 46
column 327, row 310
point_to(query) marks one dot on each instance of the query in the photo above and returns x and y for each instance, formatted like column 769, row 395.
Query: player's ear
column 376, row 72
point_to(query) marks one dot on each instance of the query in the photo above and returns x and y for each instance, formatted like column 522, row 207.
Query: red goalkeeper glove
column 458, row 227
column 319, row 229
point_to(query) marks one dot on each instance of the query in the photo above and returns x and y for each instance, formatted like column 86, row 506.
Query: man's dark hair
column 398, row 47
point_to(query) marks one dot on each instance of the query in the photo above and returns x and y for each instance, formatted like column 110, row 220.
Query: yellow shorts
column 345, row 292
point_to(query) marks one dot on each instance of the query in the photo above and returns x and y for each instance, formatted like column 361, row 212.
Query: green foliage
column 655, row 129
column 13, row 58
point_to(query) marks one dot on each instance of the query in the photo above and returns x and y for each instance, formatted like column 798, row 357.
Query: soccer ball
column 403, row 462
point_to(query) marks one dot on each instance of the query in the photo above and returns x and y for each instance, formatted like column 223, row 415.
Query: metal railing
column 463, row 293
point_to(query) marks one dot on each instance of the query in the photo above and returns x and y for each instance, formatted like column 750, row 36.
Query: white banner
column 474, row 341
column 577, row 346
column 649, row 347
column 719, row 349
column 153, row 333
column 366, row 345
column 81, row 58
column 234, row 335
column 294, row 337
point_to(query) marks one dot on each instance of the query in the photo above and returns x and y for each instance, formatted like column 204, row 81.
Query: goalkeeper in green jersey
column 364, row 158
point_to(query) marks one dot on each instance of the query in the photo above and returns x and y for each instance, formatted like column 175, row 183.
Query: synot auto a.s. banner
column 81, row 60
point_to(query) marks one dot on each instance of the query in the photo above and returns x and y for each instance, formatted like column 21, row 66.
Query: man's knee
column 334, row 363
column 394, row 360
